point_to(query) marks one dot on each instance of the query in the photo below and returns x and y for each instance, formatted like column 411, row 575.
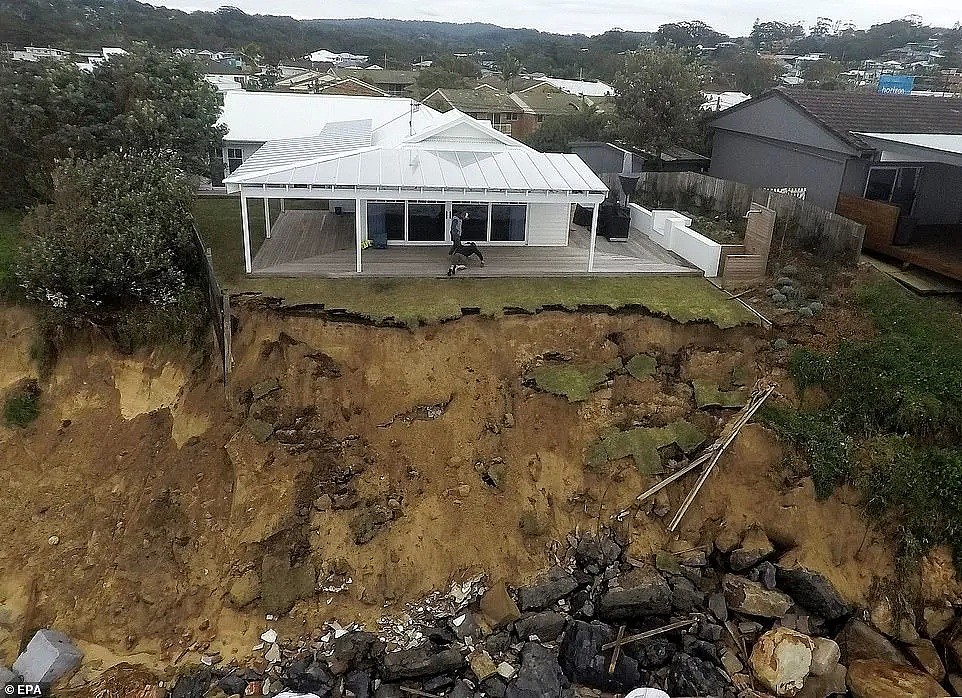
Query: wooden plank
column 880, row 220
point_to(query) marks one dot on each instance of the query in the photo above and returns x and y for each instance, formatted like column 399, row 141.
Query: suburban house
column 889, row 161
column 397, row 83
column 384, row 176
column 318, row 83
column 517, row 114
column 341, row 60
column 223, row 76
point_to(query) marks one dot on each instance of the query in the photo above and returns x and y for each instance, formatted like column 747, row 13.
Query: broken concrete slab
column 50, row 655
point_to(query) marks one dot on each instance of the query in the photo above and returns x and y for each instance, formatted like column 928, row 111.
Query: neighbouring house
column 314, row 82
column 39, row 53
column 518, row 114
column 581, row 88
column 889, row 161
column 223, row 76
column 397, row 83
column 389, row 174
column 340, row 60
column 720, row 101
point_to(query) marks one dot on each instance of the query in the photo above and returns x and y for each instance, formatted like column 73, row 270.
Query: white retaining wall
column 669, row 229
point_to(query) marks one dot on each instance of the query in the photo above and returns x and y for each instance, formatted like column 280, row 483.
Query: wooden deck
column 937, row 249
column 318, row 243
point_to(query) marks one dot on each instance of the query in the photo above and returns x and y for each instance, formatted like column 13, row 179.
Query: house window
column 511, row 116
column 426, row 222
column 540, row 118
column 385, row 221
column 475, row 226
column 893, row 185
column 235, row 157
column 508, row 222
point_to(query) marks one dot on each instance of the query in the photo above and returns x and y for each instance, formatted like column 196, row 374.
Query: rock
column 955, row 681
column 830, row 684
column 600, row 551
column 718, row 607
column 754, row 548
column 264, row 388
column 731, row 663
column 498, row 607
column 50, row 655
column 282, row 585
column 858, row 640
column 685, row 597
column 936, row 619
column 273, row 654
column 540, row 674
column 642, row 592
column 694, row 676
column 927, row 658
column 893, row 616
column 259, row 429
column 584, row 663
column 355, row 650
column 782, row 660
column 465, row 625
column 244, row 590
column 192, row 685
column 357, row 683
column 482, row 665
column 727, row 540
column 437, row 684
column 307, row 675
column 420, row 661
column 751, row 598
column 547, row 626
column 825, row 656
column 324, row 502
column 651, row 654
column 764, row 574
column 811, row 590
column 496, row 687
column 539, row 596
column 461, row 690
column 875, row 678
column 233, row 684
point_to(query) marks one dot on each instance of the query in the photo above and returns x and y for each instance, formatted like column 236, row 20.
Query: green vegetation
column 218, row 219
column 416, row 301
column 9, row 246
column 707, row 394
column 892, row 423
column 643, row 443
column 575, row 382
column 22, row 404
column 641, row 366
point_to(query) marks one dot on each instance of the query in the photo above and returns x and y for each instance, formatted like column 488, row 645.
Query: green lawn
column 411, row 301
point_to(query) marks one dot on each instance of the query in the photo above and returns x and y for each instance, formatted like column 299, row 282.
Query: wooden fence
column 798, row 224
column 218, row 307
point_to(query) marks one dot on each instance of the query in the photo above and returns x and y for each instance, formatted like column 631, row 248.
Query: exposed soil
column 399, row 460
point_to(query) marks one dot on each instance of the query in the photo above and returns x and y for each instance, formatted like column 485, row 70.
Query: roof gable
column 460, row 128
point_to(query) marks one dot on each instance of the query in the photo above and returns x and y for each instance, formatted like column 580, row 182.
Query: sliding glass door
column 429, row 222
column 426, row 223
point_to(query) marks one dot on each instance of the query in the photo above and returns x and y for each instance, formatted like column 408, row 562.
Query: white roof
column 456, row 152
column 259, row 117
column 719, row 101
column 923, row 147
column 583, row 88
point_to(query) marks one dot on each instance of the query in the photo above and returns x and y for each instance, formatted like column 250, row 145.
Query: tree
column 688, row 35
column 749, row 73
column 823, row 74
column 510, row 69
column 143, row 101
column 556, row 133
column 431, row 79
column 771, row 35
column 658, row 99
column 118, row 232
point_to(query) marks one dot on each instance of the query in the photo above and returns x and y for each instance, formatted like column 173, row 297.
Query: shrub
column 22, row 404
column 117, row 233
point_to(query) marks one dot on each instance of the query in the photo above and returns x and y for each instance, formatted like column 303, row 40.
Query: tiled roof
column 849, row 113
column 551, row 102
column 479, row 100
column 380, row 76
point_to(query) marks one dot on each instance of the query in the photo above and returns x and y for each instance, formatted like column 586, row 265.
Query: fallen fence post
column 649, row 633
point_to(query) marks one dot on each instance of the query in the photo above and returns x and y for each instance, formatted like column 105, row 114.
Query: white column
column 594, row 235
column 247, row 233
column 267, row 218
column 358, row 232
column 283, row 204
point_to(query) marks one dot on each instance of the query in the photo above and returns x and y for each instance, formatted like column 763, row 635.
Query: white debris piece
column 269, row 636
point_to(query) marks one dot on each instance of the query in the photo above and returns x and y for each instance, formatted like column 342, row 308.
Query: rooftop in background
column 476, row 100
column 585, row 88
column 380, row 76
column 258, row 117
column 849, row 113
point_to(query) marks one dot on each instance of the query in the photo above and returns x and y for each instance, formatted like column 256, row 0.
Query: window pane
column 385, row 221
column 507, row 222
column 426, row 222
column 880, row 182
column 475, row 226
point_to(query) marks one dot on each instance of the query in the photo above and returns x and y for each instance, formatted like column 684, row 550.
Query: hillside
column 86, row 23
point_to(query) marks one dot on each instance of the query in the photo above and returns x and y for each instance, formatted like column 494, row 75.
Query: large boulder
column 753, row 599
column 540, row 675
column 811, row 589
column 498, row 607
column 875, row 678
column 541, row 595
column 694, row 676
column 420, row 661
column 584, row 662
column 893, row 615
column 858, row 640
column 283, row 584
column 782, row 660
column 927, row 658
column 825, row 655
column 50, row 655
column 641, row 592
column 547, row 626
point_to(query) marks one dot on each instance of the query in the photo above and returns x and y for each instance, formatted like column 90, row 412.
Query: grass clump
column 9, row 245
column 643, row 445
column 22, row 404
column 575, row 382
column 892, row 422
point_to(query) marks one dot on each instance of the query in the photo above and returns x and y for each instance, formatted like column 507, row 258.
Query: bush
column 22, row 404
column 117, row 233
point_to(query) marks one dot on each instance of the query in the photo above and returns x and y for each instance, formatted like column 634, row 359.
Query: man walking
column 460, row 251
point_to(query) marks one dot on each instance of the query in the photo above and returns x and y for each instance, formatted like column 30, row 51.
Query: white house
column 582, row 88
column 391, row 174
column 340, row 60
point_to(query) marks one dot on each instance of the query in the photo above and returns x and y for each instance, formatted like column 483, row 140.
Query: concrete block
column 49, row 656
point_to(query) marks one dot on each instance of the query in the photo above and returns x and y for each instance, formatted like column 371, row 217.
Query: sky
column 732, row 17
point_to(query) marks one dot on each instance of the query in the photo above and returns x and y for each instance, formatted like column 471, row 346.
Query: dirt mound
column 357, row 468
